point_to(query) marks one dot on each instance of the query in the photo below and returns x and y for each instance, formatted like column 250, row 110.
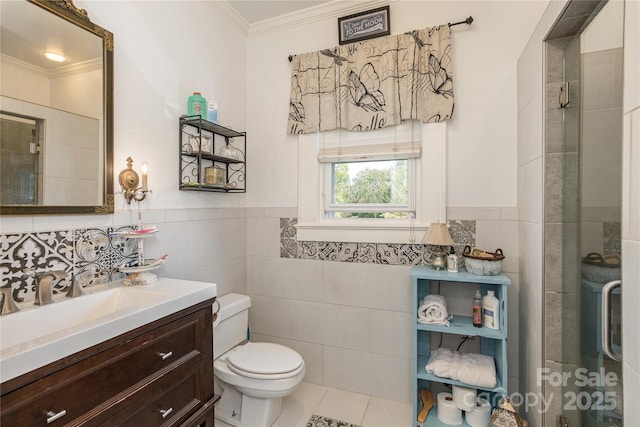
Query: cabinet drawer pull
column 165, row 356
column 165, row 412
column 52, row 416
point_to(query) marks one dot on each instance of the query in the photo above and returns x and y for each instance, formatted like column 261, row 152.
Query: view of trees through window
column 382, row 187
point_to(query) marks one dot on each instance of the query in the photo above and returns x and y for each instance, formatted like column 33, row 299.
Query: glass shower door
column 595, row 201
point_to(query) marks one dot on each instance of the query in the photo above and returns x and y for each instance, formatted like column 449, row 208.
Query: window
column 369, row 189
column 385, row 186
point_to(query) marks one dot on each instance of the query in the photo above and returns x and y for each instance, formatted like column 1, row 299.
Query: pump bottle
column 490, row 311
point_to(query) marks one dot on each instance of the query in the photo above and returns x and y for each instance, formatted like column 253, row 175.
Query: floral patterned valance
column 372, row 84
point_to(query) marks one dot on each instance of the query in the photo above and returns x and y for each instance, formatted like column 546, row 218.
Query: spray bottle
column 477, row 309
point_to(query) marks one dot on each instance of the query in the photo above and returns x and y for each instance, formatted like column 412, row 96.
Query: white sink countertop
column 39, row 335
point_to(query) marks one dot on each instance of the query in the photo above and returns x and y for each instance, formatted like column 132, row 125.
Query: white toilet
column 253, row 377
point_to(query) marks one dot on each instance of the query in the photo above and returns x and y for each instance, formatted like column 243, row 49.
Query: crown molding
column 23, row 64
column 77, row 68
column 230, row 14
column 333, row 9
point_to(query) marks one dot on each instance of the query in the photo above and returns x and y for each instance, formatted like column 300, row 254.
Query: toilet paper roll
column 481, row 415
column 447, row 411
column 465, row 397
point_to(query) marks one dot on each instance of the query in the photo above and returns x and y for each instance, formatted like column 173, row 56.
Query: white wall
column 163, row 52
column 315, row 306
column 21, row 81
column 482, row 135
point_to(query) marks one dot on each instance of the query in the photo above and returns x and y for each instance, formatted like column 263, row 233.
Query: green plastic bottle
column 197, row 105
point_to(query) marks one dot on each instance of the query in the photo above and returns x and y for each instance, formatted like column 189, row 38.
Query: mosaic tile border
column 89, row 254
column 462, row 231
column 612, row 237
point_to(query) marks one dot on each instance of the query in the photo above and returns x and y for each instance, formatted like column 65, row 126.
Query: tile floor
column 359, row 409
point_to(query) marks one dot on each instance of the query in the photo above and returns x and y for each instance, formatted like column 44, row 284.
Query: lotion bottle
column 452, row 261
column 490, row 311
column 477, row 309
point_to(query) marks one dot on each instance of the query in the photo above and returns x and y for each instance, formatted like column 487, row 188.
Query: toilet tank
column 230, row 327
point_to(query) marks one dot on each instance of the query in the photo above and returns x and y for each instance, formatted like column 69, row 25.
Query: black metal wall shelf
column 212, row 157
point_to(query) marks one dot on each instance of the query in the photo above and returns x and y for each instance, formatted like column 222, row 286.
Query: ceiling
column 25, row 42
column 259, row 10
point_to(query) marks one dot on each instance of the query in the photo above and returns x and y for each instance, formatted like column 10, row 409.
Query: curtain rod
column 467, row 21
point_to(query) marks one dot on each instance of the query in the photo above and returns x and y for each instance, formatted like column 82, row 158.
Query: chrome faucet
column 7, row 305
column 44, row 288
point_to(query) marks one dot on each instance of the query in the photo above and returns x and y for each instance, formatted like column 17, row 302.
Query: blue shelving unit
column 492, row 342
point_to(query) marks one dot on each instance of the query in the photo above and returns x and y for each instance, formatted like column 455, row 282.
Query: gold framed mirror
column 56, row 144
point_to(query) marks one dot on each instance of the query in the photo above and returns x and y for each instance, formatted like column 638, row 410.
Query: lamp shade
column 438, row 234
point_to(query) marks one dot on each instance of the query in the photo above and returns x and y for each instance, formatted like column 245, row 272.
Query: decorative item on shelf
column 214, row 175
column 452, row 261
column 212, row 112
column 438, row 235
column 228, row 152
column 129, row 181
column 139, row 268
column 482, row 263
column 601, row 269
column 197, row 105
column 506, row 416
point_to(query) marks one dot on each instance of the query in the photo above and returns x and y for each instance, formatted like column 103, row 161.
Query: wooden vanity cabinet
column 158, row 374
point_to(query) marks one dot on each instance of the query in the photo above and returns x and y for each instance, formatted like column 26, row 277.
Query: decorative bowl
column 483, row 263
column 599, row 269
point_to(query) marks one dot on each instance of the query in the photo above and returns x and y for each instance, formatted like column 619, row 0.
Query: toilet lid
column 264, row 358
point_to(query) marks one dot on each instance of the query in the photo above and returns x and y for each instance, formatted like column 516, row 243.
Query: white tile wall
column 368, row 285
column 383, row 376
column 631, row 57
column 391, row 333
column 352, row 319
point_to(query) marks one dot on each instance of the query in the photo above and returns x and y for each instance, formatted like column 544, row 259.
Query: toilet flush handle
column 216, row 309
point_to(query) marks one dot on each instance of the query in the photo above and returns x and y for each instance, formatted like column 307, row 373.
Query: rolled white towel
column 433, row 310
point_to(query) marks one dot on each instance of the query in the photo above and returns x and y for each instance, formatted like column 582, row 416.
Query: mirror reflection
column 52, row 109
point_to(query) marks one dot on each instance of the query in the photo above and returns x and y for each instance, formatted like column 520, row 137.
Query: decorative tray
column 135, row 234
column 147, row 265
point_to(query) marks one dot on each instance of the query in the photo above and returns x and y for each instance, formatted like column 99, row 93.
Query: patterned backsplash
column 463, row 233
column 90, row 254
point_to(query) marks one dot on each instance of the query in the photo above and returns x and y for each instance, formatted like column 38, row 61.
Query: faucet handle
column 75, row 289
column 44, row 285
column 7, row 304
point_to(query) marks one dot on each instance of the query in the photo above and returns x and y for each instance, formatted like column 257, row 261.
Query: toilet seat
column 265, row 361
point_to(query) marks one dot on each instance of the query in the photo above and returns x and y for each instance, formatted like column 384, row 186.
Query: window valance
column 374, row 83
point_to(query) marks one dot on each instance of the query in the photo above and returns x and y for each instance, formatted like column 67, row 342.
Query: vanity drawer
column 89, row 383
column 172, row 408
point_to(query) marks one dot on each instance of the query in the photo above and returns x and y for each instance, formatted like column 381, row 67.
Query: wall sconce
column 438, row 235
column 129, row 181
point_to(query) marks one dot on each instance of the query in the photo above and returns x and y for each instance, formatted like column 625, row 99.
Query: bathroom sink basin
column 64, row 315
column 38, row 335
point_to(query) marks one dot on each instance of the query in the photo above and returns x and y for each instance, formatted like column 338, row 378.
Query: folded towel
column 470, row 368
column 433, row 310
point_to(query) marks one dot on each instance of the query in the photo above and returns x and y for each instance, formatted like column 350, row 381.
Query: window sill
column 361, row 232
